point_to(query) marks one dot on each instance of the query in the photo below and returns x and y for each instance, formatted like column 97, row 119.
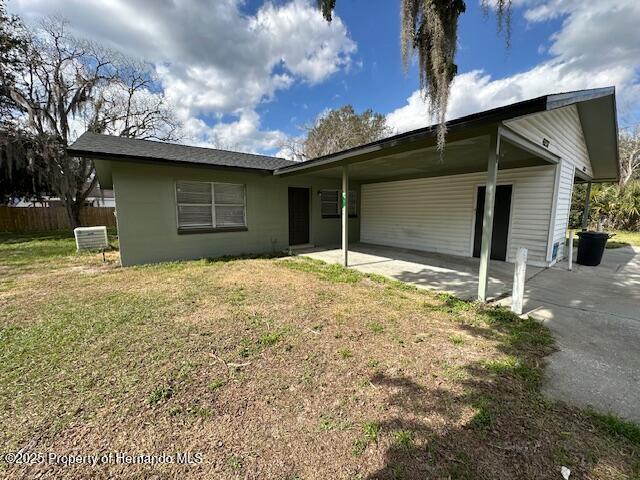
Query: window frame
column 213, row 228
column 338, row 201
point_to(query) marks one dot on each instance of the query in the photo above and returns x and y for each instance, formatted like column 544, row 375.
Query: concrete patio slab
column 434, row 271
column 594, row 314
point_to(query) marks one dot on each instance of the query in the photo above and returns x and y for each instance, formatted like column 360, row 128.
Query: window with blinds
column 330, row 203
column 203, row 205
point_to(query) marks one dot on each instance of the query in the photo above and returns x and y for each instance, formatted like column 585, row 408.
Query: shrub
column 617, row 207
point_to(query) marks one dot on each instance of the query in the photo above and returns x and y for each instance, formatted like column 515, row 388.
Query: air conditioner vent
column 91, row 238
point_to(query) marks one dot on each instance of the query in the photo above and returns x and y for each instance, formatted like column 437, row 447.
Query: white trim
column 554, row 211
column 566, row 220
column 527, row 145
column 213, row 204
column 583, row 176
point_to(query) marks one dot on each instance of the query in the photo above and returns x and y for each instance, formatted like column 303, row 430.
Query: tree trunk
column 73, row 212
column 74, row 200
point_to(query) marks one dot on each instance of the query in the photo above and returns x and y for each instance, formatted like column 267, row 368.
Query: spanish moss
column 503, row 14
column 429, row 28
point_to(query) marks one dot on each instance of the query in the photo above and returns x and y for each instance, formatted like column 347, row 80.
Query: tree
column 615, row 206
column 629, row 147
column 24, row 178
column 71, row 85
column 429, row 28
column 338, row 130
column 12, row 43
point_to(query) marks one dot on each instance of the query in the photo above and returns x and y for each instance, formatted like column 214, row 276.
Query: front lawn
column 281, row 368
column 624, row 238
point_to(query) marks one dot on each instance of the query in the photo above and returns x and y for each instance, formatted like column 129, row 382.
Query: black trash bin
column 591, row 248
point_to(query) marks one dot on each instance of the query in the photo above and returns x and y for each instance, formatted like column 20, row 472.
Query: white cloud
column 243, row 134
column 286, row 31
column 213, row 59
column 598, row 45
column 541, row 10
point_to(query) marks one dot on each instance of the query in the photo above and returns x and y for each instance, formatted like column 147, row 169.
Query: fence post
column 519, row 274
column 570, row 250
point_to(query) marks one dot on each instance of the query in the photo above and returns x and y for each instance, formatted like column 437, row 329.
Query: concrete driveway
column 594, row 314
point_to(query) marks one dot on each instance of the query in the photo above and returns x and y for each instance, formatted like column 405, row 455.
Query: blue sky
column 246, row 74
column 377, row 80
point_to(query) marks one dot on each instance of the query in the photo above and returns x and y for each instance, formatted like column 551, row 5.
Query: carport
column 480, row 149
column 536, row 142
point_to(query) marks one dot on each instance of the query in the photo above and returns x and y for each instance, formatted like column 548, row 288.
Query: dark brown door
column 501, row 214
column 298, row 216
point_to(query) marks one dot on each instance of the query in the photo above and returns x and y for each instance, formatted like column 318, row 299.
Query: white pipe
column 570, row 250
column 519, row 275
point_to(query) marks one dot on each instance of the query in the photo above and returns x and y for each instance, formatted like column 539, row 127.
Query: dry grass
column 278, row 368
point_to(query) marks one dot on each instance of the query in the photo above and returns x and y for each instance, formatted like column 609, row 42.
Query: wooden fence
column 33, row 219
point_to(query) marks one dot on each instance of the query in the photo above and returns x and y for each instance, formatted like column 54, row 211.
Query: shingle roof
column 109, row 146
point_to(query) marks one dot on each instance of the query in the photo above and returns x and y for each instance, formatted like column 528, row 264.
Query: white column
column 519, row 275
column 345, row 215
column 487, row 219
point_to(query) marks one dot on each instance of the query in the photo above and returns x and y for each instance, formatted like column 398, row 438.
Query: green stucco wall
column 146, row 213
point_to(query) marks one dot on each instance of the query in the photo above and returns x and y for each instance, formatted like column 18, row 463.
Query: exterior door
column 298, row 216
column 501, row 214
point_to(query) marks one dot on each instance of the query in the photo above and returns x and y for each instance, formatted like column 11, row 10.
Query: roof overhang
column 392, row 158
column 475, row 125
column 108, row 150
column 408, row 155
column 104, row 165
column 104, row 173
column 600, row 129
column 466, row 152
column 539, row 151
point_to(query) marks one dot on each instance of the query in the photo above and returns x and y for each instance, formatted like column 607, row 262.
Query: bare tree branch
column 337, row 130
column 70, row 85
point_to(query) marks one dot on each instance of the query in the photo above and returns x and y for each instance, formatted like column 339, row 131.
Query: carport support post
column 345, row 215
column 585, row 213
column 487, row 219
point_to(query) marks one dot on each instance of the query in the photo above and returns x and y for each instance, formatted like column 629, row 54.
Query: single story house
column 505, row 181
